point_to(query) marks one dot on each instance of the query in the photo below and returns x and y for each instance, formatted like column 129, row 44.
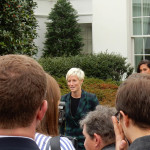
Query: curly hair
column 99, row 122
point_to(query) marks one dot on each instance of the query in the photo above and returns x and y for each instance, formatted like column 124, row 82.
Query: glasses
column 117, row 115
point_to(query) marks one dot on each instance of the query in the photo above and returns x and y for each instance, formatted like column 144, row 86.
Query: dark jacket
column 17, row 143
column 109, row 147
column 142, row 143
column 87, row 103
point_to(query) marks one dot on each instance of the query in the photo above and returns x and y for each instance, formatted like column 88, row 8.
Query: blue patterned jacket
column 87, row 103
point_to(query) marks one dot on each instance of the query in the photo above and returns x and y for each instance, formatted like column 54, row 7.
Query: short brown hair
column 22, row 89
column 133, row 98
column 49, row 125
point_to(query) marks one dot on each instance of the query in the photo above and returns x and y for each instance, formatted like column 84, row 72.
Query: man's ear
column 125, row 118
column 97, row 140
column 42, row 110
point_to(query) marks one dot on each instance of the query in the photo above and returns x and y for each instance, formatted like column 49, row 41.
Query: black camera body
column 61, row 108
column 61, row 121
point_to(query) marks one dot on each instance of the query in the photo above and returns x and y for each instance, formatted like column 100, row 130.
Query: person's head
column 133, row 100
column 98, row 128
column 75, row 77
column 144, row 67
column 49, row 125
column 22, row 91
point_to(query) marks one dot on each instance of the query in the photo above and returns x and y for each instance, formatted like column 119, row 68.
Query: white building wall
column 111, row 24
column 41, row 30
column 84, row 9
column 111, row 29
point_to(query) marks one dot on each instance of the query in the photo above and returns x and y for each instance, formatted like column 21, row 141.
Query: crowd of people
column 29, row 99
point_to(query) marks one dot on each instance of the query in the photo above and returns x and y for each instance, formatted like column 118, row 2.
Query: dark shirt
column 74, row 105
column 17, row 143
column 109, row 147
column 142, row 143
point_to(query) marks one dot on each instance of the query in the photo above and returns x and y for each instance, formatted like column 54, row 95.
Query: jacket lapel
column 68, row 110
column 81, row 105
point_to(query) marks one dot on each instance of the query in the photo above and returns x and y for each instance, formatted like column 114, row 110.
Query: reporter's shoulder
column 64, row 97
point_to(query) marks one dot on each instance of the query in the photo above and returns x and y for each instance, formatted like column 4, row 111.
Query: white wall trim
column 133, row 36
column 45, row 16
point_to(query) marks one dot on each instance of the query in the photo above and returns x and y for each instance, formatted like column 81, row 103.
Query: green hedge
column 104, row 90
column 103, row 66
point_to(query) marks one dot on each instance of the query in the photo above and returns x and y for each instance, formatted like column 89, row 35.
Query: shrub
column 18, row 27
column 103, row 66
column 104, row 90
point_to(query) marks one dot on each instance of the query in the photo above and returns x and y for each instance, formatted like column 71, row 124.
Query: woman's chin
column 72, row 90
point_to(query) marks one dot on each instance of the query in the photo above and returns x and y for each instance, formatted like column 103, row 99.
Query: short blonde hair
column 76, row 71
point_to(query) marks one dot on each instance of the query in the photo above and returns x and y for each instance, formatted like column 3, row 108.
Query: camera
column 61, row 121
column 61, row 108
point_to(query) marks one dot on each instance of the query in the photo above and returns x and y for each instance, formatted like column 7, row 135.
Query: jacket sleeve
column 94, row 102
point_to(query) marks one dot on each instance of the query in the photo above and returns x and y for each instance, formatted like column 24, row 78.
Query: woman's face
column 74, row 83
column 144, row 69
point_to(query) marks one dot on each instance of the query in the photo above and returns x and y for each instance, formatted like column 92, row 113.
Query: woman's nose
column 71, row 83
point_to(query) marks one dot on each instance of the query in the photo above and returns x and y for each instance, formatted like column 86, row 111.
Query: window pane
column 137, row 29
column 146, row 7
column 87, row 37
column 147, row 57
column 147, row 45
column 137, row 60
column 136, row 8
column 146, row 26
column 138, row 45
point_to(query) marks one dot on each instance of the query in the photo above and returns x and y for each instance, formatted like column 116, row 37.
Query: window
column 141, row 29
column 86, row 34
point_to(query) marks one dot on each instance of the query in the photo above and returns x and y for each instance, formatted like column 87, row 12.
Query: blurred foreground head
column 22, row 90
column 133, row 99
